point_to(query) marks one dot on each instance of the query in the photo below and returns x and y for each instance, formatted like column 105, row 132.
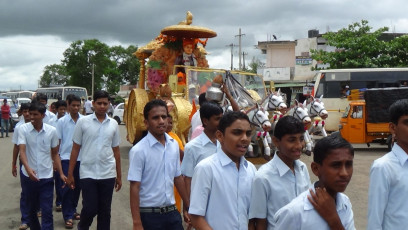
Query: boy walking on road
column 153, row 171
column 221, row 184
column 65, row 131
column 97, row 137
column 38, row 144
column 282, row 179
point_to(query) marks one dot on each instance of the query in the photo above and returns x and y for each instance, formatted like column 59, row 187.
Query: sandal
column 69, row 224
column 77, row 216
column 23, row 227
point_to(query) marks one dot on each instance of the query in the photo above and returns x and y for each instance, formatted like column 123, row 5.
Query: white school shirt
column 155, row 166
column 65, row 131
column 300, row 214
column 50, row 118
column 38, row 148
column 387, row 203
column 14, row 140
column 274, row 186
column 97, row 140
column 195, row 120
column 195, row 151
column 221, row 193
column 88, row 106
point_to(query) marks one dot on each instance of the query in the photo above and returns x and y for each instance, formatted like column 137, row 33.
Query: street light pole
column 93, row 78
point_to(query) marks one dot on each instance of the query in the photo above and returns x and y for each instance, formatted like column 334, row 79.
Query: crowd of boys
column 219, row 188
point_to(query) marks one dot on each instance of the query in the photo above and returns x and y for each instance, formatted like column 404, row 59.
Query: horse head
column 316, row 107
column 299, row 111
column 275, row 102
column 259, row 117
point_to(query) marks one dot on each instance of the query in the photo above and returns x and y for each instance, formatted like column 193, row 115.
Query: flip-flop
column 23, row 227
column 69, row 224
column 77, row 216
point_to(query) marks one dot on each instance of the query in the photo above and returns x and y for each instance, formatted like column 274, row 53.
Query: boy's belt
column 160, row 210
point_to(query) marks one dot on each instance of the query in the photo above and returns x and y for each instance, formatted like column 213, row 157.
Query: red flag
column 193, row 110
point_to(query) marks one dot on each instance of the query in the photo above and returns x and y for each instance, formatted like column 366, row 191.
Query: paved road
column 121, row 217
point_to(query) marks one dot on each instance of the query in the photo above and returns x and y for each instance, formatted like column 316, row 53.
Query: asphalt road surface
column 121, row 216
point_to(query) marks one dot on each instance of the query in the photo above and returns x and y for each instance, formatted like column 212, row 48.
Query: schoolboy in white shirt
column 283, row 178
column 221, row 184
column 38, row 144
column 324, row 206
column 387, row 205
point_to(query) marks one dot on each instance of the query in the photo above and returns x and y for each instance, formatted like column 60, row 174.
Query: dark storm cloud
column 34, row 34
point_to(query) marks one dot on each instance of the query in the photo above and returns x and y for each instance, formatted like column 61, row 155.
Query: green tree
column 54, row 75
column 254, row 65
column 126, row 68
column 357, row 47
column 83, row 56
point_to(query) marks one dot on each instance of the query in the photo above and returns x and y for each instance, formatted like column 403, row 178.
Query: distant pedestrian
column 88, row 106
column 154, row 168
column 5, row 117
column 96, row 140
column 38, row 144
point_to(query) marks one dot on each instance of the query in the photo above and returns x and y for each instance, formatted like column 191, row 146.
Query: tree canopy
column 112, row 66
column 357, row 47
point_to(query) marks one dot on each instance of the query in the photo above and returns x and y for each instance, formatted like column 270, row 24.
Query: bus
column 334, row 85
column 12, row 95
column 60, row 93
column 26, row 94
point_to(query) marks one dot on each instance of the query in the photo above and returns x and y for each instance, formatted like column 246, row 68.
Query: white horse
column 316, row 109
column 258, row 117
column 299, row 111
column 276, row 107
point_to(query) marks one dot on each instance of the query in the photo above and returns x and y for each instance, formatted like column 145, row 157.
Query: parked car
column 118, row 112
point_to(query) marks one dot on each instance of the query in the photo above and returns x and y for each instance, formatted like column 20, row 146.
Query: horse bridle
column 257, row 122
column 271, row 101
column 296, row 115
column 312, row 108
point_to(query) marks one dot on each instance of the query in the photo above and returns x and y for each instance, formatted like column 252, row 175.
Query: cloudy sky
column 34, row 34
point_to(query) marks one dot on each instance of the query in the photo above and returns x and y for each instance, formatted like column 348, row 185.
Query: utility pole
column 243, row 59
column 232, row 54
column 93, row 78
column 239, row 39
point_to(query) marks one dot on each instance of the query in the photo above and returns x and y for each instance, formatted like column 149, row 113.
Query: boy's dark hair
column 152, row 104
column 288, row 125
column 41, row 96
column 325, row 145
column 209, row 109
column 25, row 106
column 201, row 99
column 229, row 118
column 101, row 94
column 60, row 103
column 398, row 109
column 73, row 97
column 38, row 107
column 54, row 104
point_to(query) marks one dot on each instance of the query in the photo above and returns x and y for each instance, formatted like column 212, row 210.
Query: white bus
column 26, row 94
column 60, row 93
column 332, row 84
